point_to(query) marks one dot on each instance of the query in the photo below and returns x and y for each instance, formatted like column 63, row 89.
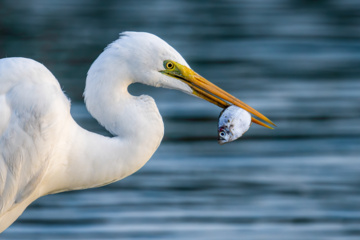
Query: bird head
column 157, row 64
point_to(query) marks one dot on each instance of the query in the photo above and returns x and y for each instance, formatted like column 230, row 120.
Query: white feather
column 44, row 151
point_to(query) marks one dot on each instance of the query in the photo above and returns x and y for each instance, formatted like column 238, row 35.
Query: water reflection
column 295, row 61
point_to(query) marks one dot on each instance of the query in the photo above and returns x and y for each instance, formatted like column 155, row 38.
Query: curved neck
column 94, row 160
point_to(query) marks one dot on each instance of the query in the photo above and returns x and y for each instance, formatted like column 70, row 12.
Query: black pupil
column 170, row 65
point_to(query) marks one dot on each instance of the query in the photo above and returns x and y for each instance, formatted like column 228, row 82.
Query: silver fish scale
column 233, row 123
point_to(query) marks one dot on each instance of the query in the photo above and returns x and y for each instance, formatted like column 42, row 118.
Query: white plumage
column 43, row 150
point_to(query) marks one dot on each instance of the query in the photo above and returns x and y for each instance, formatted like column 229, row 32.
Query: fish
column 232, row 124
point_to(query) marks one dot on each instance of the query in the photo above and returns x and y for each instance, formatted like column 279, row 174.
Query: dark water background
column 298, row 62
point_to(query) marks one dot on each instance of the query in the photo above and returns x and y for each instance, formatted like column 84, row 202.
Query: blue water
column 295, row 61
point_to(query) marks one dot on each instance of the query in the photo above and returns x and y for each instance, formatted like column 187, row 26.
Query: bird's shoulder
column 18, row 70
column 32, row 109
column 30, row 96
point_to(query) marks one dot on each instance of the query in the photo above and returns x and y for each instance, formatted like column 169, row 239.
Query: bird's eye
column 169, row 65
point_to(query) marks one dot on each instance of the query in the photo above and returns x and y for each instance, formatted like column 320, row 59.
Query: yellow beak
column 209, row 91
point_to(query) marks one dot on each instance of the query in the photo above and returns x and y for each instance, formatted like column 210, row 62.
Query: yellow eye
column 170, row 65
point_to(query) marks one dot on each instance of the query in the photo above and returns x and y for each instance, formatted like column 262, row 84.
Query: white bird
column 44, row 151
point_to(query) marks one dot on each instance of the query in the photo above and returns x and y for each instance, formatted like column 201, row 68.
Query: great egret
column 44, row 151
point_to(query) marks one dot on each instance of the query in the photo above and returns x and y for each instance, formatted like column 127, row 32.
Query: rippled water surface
column 298, row 62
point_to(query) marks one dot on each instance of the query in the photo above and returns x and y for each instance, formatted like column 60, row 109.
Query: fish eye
column 169, row 65
column 222, row 134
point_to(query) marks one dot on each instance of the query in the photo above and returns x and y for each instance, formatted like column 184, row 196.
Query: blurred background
column 298, row 62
